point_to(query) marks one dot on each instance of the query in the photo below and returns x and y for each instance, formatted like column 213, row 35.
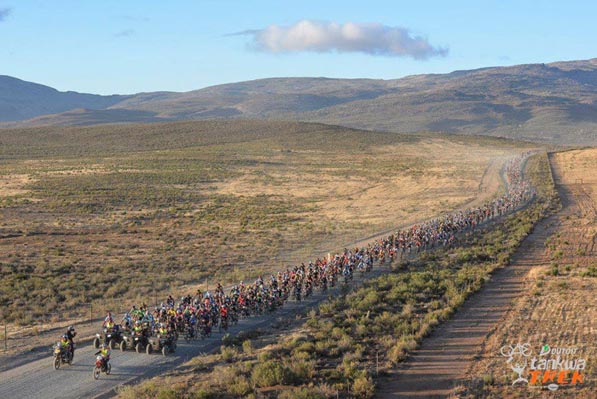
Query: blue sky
column 131, row 46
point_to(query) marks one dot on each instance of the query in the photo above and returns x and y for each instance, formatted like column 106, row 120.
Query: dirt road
column 559, row 308
column 444, row 358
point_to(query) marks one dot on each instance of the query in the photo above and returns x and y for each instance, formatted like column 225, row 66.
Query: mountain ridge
column 552, row 103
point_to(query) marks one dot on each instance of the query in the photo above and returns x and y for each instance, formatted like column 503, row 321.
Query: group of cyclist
column 196, row 315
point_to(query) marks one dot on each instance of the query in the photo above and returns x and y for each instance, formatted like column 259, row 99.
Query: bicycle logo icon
column 517, row 359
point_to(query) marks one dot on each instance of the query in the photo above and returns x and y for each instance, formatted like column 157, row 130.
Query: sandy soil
column 411, row 197
column 12, row 185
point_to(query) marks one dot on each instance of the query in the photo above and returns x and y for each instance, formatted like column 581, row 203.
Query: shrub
column 488, row 379
column 168, row 393
column 240, row 386
column 203, row 393
column 247, row 347
column 228, row 353
column 400, row 350
column 363, row 386
column 591, row 272
column 307, row 347
column 349, row 368
column 300, row 370
column 554, row 270
column 264, row 356
column 149, row 389
column 267, row 374
column 345, row 343
column 324, row 348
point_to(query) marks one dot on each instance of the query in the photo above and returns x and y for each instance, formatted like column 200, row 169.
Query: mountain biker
column 224, row 312
column 193, row 320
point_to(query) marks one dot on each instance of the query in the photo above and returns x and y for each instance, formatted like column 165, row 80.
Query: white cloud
column 323, row 37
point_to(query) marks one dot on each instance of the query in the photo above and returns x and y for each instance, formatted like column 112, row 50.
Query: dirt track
column 445, row 356
column 443, row 359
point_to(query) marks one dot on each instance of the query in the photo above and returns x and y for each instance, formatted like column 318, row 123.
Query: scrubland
column 111, row 215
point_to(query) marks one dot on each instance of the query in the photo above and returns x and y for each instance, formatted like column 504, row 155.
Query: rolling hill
column 551, row 103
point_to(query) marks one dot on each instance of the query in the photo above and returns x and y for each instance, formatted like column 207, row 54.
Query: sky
column 131, row 46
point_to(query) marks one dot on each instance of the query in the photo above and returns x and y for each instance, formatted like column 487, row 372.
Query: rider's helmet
column 65, row 337
column 104, row 345
column 71, row 328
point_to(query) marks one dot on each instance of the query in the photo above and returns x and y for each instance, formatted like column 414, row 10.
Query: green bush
column 488, row 379
column 240, row 386
column 202, row 393
column 554, row 270
column 363, row 386
column 247, row 347
column 228, row 353
column 300, row 371
column 590, row 272
column 267, row 374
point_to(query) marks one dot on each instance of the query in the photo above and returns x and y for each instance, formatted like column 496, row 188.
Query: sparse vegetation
column 341, row 343
column 151, row 209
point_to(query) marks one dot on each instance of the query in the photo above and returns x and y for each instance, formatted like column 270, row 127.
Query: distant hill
column 552, row 103
column 548, row 103
column 88, row 117
column 21, row 100
column 108, row 140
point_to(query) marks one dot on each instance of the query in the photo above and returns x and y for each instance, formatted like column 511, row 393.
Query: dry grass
column 104, row 216
column 13, row 185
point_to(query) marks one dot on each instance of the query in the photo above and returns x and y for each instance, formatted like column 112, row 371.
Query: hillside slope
column 553, row 103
